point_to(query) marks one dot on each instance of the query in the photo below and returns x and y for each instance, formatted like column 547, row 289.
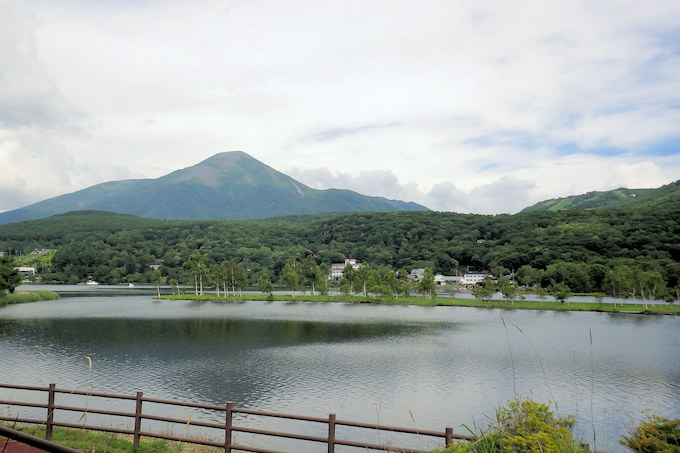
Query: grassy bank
column 86, row 440
column 659, row 309
column 24, row 297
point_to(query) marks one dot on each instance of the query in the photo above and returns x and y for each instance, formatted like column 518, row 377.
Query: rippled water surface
column 428, row 367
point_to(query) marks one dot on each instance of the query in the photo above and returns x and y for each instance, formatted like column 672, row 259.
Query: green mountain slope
column 577, row 247
column 614, row 199
column 227, row 186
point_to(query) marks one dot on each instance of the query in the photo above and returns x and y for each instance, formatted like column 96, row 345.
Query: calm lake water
column 425, row 367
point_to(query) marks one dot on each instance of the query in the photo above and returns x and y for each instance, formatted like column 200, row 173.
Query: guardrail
column 228, row 427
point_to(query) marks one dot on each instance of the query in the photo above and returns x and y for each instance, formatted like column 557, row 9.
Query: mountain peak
column 226, row 158
column 227, row 186
column 211, row 171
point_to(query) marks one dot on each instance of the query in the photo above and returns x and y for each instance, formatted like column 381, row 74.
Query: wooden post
column 448, row 436
column 228, row 423
column 49, row 423
column 138, row 421
column 331, row 433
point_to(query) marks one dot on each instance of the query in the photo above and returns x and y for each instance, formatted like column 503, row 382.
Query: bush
column 654, row 434
column 523, row 426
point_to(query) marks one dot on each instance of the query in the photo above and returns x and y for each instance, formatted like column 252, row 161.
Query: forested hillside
column 622, row 198
column 578, row 248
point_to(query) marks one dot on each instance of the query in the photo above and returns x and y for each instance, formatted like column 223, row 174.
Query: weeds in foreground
column 522, row 426
column 85, row 440
column 654, row 434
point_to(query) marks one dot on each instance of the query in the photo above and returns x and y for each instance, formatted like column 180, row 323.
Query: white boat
column 91, row 282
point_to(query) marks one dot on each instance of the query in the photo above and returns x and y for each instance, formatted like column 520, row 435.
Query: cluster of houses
column 466, row 279
column 28, row 272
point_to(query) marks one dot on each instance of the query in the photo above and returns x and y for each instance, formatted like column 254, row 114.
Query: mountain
column 621, row 198
column 227, row 186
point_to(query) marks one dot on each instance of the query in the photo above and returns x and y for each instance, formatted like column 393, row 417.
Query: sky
column 461, row 105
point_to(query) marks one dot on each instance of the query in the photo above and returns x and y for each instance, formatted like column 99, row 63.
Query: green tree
column 560, row 292
column 506, row 288
column 290, row 276
column 372, row 282
column 310, row 271
column 349, row 274
column 527, row 275
column 174, row 285
column 324, row 274
column 426, row 285
column 218, row 277
column 264, row 285
column 484, row 291
column 156, row 280
column 361, row 278
column 404, row 282
column 238, row 278
column 345, row 287
column 9, row 276
column 618, row 281
column 650, row 284
column 391, row 280
column 227, row 276
column 197, row 268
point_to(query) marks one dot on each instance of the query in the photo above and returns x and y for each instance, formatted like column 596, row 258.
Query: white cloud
column 643, row 175
column 430, row 101
column 506, row 195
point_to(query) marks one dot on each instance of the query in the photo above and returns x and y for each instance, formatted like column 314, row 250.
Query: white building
column 416, row 274
column 337, row 268
column 441, row 280
column 475, row 278
column 26, row 272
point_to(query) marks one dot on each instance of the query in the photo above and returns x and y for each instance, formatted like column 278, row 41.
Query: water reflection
column 432, row 366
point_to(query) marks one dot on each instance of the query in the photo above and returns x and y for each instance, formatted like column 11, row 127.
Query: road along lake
column 424, row 367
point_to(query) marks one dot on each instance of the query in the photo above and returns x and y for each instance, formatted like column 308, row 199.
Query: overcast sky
column 461, row 105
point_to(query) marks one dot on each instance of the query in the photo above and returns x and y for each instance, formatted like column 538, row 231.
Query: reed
column 26, row 297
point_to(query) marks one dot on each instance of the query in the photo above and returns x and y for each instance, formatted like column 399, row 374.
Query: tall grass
column 85, row 440
column 25, row 297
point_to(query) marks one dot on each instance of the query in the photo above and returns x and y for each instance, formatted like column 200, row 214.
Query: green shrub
column 654, row 435
column 523, row 426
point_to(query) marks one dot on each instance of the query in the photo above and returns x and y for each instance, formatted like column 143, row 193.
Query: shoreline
column 639, row 309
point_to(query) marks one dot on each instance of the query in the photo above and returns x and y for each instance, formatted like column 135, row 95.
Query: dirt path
column 17, row 447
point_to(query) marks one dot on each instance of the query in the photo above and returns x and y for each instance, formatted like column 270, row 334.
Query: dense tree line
column 588, row 251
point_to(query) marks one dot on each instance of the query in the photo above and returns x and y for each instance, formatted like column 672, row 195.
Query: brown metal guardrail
column 228, row 426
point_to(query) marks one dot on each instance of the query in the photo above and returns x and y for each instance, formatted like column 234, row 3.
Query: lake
column 428, row 367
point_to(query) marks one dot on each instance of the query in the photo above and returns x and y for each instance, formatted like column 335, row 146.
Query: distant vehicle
column 91, row 282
